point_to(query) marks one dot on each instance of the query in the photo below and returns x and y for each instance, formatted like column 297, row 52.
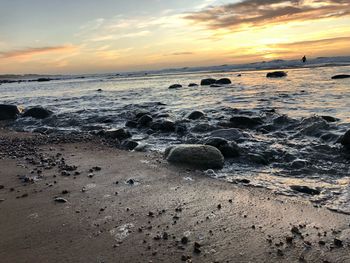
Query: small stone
column 184, row 240
column 60, row 200
column 338, row 242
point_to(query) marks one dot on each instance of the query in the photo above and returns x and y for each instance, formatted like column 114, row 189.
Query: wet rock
column 131, row 124
column 175, row 86
column 192, row 85
column 232, row 134
column 163, row 126
column 228, row 149
column 328, row 137
column 145, row 120
column 196, row 115
column 305, row 189
column 207, row 82
column 120, row 134
column 223, row 81
column 329, row 118
column 341, row 76
column 141, row 112
column 276, row 74
column 129, row 145
column 298, row 164
column 245, row 122
column 258, row 158
column 203, row 127
column 181, row 128
column 37, row 113
column 8, row 112
column 201, row 156
column 345, row 140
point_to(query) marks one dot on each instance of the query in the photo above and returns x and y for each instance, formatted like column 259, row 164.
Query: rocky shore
column 78, row 198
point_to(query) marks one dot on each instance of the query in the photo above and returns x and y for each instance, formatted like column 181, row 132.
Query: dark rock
column 196, row 115
column 276, row 74
column 245, row 122
column 345, row 140
column 207, row 82
column 192, row 85
column 8, row 112
column 99, row 90
column 203, row 127
column 329, row 118
column 181, row 128
column 129, row 145
column 175, row 86
column 120, row 134
column 228, row 149
column 341, row 76
column 201, row 156
column 215, row 86
column 223, row 81
column 228, row 134
column 258, row 158
column 43, row 79
column 131, row 124
column 163, row 126
column 37, row 113
column 145, row 120
column 140, row 113
column 338, row 242
column 305, row 189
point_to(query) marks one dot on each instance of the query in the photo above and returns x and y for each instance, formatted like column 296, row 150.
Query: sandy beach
column 85, row 201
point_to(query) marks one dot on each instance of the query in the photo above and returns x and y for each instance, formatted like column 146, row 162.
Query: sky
column 90, row 36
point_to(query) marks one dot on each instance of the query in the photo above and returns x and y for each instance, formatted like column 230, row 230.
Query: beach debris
column 60, row 200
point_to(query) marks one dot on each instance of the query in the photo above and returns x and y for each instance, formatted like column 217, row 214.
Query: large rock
column 194, row 115
column 341, row 76
column 8, row 112
column 228, row 149
column 193, row 85
column 120, row 134
column 228, row 134
column 207, row 82
column 145, row 120
column 223, row 81
column 276, row 74
column 163, row 126
column 37, row 113
column 200, row 156
column 345, row 140
column 245, row 122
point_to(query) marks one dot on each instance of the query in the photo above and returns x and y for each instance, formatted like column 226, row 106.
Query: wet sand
column 164, row 214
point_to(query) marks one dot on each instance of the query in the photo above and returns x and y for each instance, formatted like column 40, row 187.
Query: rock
column 201, row 156
column 192, row 85
column 232, row 134
column 163, row 126
column 345, row 140
column 223, row 81
column 8, row 112
column 181, row 128
column 341, row 76
column 329, row 118
column 129, row 145
column 60, row 200
column 276, row 74
column 215, row 86
column 120, row 134
column 258, row 158
column 131, row 124
column 305, row 189
column 43, row 79
column 145, row 120
column 99, row 90
column 207, row 82
column 245, row 122
column 175, row 86
column 139, row 113
column 196, row 115
column 203, row 127
column 228, row 149
column 37, row 113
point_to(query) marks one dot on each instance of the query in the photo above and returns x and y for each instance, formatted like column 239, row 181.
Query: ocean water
column 300, row 146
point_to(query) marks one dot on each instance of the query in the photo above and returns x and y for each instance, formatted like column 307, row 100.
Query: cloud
column 256, row 13
column 180, row 54
column 29, row 52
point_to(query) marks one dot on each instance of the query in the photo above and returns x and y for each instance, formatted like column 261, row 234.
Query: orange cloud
column 255, row 13
column 29, row 52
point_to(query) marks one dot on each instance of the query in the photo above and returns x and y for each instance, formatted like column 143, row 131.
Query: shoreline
column 71, row 200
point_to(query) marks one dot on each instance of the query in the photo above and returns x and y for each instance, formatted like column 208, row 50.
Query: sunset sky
column 89, row 36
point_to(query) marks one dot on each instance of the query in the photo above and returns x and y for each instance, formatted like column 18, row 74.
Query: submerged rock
column 196, row 115
column 228, row 149
column 223, row 81
column 200, row 156
column 276, row 74
column 245, row 122
column 345, row 140
column 163, row 126
column 120, row 134
column 305, row 189
column 175, row 86
column 8, row 112
column 37, row 113
column 228, row 134
column 207, row 82
column 341, row 76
